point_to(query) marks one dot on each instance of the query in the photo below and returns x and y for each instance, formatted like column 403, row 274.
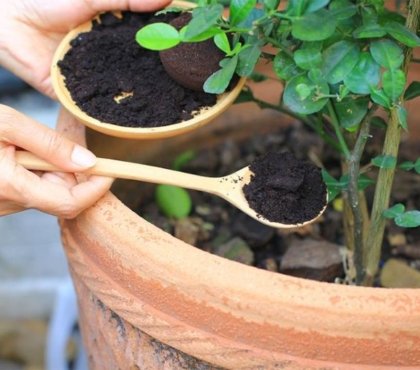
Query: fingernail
column 83, row 157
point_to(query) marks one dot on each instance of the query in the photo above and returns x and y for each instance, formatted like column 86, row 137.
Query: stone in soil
column 397, row 274
column 255, row 233
column 107, row 62
column 284, row 189
column 190, row 64
column 236, row 249
column 313, row 259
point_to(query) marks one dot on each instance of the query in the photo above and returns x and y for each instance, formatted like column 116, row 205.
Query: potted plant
column 150, row 300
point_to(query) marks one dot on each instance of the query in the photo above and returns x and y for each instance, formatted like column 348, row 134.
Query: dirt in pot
column 284, row 189
column 217, row 227
column 111, row 78
column 315, row 251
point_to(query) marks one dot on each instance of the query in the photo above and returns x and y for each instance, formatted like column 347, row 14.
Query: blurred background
column 37, row 306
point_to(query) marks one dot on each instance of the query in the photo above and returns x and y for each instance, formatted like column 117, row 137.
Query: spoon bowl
column 227, row 187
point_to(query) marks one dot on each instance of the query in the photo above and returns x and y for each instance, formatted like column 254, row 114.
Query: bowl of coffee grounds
column 111, row 84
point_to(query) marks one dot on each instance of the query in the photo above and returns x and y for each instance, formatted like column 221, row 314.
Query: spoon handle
column 130, row 171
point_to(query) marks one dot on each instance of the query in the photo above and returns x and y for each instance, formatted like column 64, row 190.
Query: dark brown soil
column 107, row 63
column 284, row 189
column 190, row 64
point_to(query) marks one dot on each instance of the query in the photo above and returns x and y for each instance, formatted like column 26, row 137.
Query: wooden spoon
column 227, row 187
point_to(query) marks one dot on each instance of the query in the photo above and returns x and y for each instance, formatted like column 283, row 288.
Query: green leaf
column 245, row 96
column 408, row 219
column 173, row 201
column 363, row 182
column 182, row 159
column 417, row 166
column 402, row 34
column 333, row 186
column 202, row 20
column 413, row 91
column 240, row 9
column 379, row 97
column 285, row 67
column 222, row 42
column 393, row 81
column 296, row 7
column 394, row 211
column 297, row 98
column 253, row 16
column 271, row 4
column 351, row 111
column 316, row 26
column 342, row 9
column 315, row 5
column 339, row 59
column 370, row 30
column 385, row 161
column 170, row 9
column 365, row 74
column 387, row 53
column 248, row 58
column 158, row 36
column 402, row 117
column 218, row 82
column 258, row 77
column 308, row 57
column 207, row 34
column 407, row 166
column 378, row 122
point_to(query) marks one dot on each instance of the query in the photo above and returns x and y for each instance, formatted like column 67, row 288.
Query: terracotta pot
column 149, row 301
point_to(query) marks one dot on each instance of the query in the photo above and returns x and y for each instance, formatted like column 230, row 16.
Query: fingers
column 24, row 132
column 8, row 208
column 133, row 5
column 60, row 194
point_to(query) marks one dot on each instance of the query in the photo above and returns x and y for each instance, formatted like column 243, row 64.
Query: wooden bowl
column 204, row 116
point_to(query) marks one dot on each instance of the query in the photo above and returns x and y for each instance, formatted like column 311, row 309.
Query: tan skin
column 29, row 34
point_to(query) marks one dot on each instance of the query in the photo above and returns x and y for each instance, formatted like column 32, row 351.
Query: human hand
column 60, row 194
column 31, row 30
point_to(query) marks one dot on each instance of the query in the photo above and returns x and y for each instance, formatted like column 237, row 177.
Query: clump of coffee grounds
column 113, row 79
column 191, row 63
column 284, row 189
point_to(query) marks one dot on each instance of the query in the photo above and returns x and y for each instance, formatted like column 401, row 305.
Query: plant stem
column 336, row 125
column 386, row 176
column 354, row 194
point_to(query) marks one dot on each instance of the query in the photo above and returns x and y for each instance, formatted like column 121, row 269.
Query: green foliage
column 384, row 161
column 401, row 218
column 413, row 91
column 173, row 201
column 338, row 61
column 336, row 187
column 158, row 36
column 409, row 165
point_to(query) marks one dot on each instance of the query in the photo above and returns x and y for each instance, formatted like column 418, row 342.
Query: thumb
column 22, row 131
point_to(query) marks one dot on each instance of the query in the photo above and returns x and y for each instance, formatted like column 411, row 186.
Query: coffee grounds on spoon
column 284, row 189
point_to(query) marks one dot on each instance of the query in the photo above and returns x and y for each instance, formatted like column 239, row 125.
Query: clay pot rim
column 204, row 116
